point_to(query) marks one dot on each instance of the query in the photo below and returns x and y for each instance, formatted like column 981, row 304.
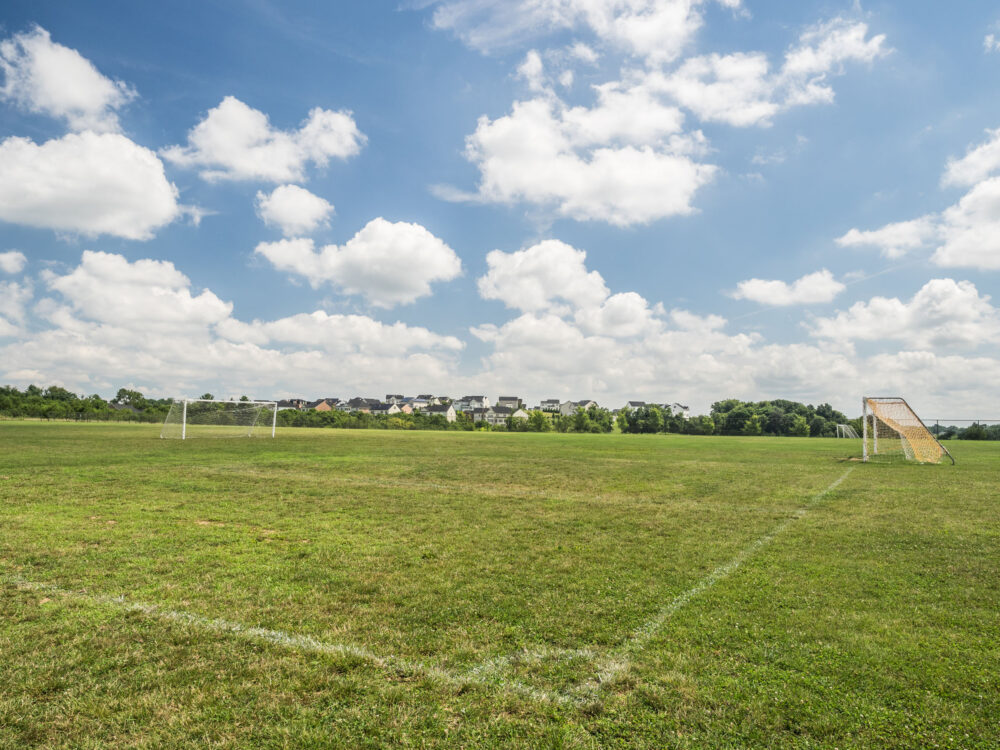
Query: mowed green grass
column 492, row 590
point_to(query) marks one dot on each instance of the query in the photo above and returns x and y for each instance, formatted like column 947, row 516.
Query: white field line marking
column 616, row 664
column 490, row 672
column 296, row 642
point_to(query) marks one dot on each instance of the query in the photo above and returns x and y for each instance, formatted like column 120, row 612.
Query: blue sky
column 680, row 200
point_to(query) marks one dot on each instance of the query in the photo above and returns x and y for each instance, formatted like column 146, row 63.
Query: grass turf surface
column 492, row 589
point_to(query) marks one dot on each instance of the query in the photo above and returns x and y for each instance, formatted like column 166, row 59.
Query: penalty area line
column 614, row 666
column 296, row 642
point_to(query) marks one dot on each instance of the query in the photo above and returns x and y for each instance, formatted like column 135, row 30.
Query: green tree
column 735, row 419
column 125, row 397
column 973, row 432
column 799, row 427
column 752, row 426
column 208, row 396
column 538, row 421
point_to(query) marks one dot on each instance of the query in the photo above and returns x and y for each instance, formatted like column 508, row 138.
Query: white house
column 680, row 410
column 511, row 402
column 447, row 411
column 471, row 403
column 568, row 408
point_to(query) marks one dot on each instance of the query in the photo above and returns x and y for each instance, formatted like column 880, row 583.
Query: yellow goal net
column 893, row 431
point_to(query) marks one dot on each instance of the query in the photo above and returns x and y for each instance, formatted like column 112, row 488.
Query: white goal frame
column 185, row 401
column 846, row 431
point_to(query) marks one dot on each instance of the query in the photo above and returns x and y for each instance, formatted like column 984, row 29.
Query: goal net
column 893, row 431
column 199, row 418
column 847, row 431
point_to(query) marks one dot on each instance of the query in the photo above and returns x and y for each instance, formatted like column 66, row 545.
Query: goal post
column 891, row 430
column 847, row 431
column 199, row 418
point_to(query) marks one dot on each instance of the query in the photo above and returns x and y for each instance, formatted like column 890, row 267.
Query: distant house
column 405, row 408
column 417, row 404
column 384, row 409
column 634, row 404
column 680, row 410
column 568, row 408
column 320, row 405
column 497, row 415
column 511, row 402
column 291, row 403
column 550, row 404
column 447, row 411
column 393, row 398
column 359, row 404
column 431, row 400
column 471, row 403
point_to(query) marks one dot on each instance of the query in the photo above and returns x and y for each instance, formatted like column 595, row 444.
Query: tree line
column 779, row 417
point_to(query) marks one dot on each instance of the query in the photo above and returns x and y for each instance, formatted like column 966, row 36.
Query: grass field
column 336, row 588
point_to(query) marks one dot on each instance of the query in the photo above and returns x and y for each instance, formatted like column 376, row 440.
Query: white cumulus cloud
column 811, row 289
column 47, row 78
column 971, row 229
column 14, row 299
column 110, row 322
column 388, row 263
column 531, row 279
column 964, row 235
column 150, row 294
column 656, row 30
column 293, row 209
column 237, row 142
column 979, row 162
column 86, row 183
column 12, row 261
column 943, row 313
column 894, row 240
column 740, row 89
column 584, row 162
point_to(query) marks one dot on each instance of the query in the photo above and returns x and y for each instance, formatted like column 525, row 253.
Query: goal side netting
column 199, row 418
column 893, row 431
column 847, row 431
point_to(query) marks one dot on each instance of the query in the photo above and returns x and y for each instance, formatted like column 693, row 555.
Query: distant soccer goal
column 846, row 431
column 201, row 418
column 893, row 431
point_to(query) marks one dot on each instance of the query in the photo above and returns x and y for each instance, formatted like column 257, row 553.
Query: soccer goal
column 893, row 431
column 200, row 418
column 846, row 431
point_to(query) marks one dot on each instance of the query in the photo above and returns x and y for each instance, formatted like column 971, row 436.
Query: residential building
column 291, row 403
column 359, row 404
column 511, row 402
column 447, row 411
column 393, row 398
column 470, row 403
column 497, row 415
column 550, row 404
column 319, row 405
column 568, row 408
column 383, row 409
